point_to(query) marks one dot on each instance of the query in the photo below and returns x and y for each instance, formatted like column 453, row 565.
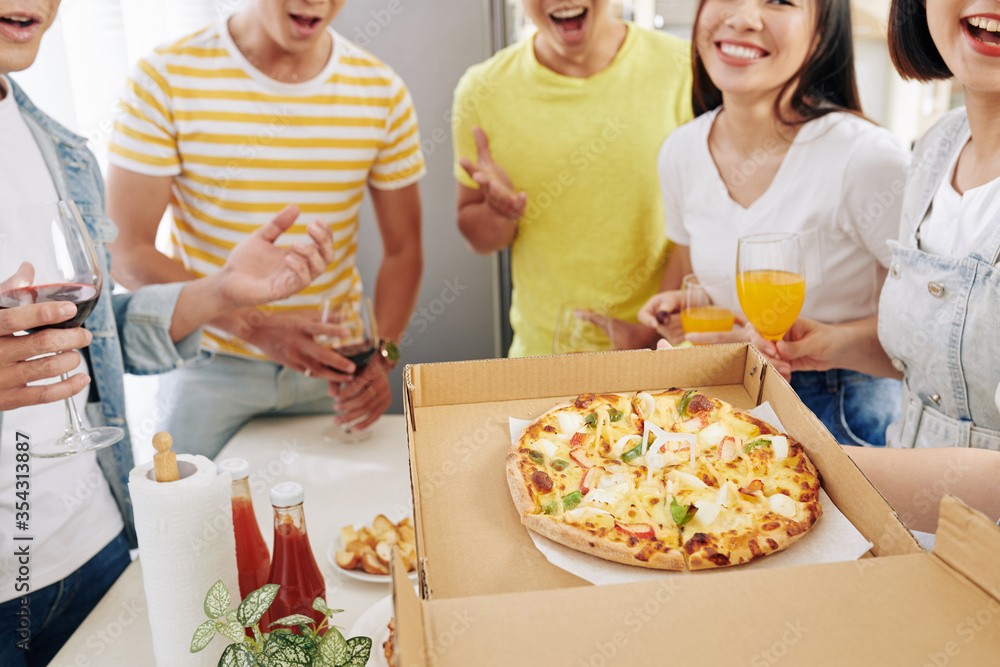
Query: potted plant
column 318, row 644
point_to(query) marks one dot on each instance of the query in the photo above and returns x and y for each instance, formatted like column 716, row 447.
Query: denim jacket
column 131, row 331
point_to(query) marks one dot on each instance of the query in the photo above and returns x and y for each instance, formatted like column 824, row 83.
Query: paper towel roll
column 186, row 544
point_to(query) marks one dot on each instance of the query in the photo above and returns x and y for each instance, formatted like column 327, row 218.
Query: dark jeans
column 56, row 611
column 855, row 408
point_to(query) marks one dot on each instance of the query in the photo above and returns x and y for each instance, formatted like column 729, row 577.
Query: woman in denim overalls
column 939, row 315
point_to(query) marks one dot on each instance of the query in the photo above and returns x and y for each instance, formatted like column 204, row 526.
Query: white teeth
column 19, row 19
column 568, row 13
column 736, row 51
column 990, row 25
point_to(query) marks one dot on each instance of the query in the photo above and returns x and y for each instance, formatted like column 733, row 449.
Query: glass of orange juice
column 770, row 281
column 703, row 294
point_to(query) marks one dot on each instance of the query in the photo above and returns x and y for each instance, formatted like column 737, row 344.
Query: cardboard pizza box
column 476, row 560
column 922, row 609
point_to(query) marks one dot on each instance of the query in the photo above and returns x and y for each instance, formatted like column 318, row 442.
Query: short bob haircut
column 825, row 82
column 910, row 45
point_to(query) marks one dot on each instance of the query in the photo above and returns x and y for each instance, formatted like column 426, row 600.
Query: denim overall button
column 936, row 398
column 936, row 289
column 898, row 364
column 894, row 271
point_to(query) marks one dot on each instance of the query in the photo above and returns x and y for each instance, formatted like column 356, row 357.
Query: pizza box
column 488, row 596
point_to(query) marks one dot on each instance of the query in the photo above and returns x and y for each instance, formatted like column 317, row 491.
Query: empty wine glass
column 55, row 260
column 581, row 328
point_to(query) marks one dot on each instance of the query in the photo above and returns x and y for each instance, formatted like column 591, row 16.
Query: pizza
column 671, row 480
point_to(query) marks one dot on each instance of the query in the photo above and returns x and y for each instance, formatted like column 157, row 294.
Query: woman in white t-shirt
column 939, row 312
column 779, row 145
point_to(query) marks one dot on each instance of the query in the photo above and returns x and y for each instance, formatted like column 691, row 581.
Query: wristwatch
column 389, row 352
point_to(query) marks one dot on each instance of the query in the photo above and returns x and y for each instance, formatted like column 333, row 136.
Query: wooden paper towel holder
column 164, row 461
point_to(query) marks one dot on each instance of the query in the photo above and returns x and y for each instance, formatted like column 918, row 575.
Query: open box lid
column 940, row 608
column 469, row 537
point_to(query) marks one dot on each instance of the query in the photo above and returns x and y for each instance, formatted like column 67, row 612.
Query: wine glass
column 578, row 329
column 49, row 244
column 358, row 344
column 770, row 281
column 702, row 295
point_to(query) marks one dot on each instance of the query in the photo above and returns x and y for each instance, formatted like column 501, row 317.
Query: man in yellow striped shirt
column 266, row 108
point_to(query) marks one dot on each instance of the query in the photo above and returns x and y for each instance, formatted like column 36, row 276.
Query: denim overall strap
column 937, row 321
column 77, row 178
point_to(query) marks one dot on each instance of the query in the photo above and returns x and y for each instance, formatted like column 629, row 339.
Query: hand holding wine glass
column 55, row 288
column 357, row 343
column 770, row 281
column 583, row 328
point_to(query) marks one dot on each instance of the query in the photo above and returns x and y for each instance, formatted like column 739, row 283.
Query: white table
column 344, row 484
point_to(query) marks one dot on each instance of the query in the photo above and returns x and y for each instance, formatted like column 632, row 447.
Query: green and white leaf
column 231, row 631
column 203, row 636
column 237, row 655
column 287, row 650
column 333, row 648
column 294, row 619
column 255, row 604
column 217, row 600
column 319, row 604
column 361, row 648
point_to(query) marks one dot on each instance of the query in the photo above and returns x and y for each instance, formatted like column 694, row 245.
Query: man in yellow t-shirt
column 556, row 140
column 269, row 107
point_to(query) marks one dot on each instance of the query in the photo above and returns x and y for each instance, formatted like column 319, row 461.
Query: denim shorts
column 856, row 408
column 56, row 611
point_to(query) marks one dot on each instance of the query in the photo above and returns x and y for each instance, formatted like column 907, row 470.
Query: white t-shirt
column 839, row 188
column 955, row 220
column 72, row 514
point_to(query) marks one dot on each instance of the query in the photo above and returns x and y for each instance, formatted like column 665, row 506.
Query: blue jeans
column 856, row 408
column 205, row 405
column 56, row 611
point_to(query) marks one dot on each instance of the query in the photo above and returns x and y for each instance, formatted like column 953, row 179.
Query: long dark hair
column 825, row 82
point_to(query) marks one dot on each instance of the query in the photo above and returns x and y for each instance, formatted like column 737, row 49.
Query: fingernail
column 67, row 309
column 86, row 379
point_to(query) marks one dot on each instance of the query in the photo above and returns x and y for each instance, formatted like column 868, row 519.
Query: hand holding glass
column 56, row 259
column 578, row 329
column 770, row 281
column 358, row 344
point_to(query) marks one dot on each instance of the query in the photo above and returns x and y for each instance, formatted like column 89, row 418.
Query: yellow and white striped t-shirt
column 241, row 146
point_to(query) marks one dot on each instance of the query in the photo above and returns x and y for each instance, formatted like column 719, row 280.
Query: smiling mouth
column 986, row 30
column 569, row 20
column 741, row 51
column 18, row 21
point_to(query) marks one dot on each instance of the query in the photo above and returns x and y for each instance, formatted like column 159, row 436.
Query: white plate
column 374, row 623
column 360, row 575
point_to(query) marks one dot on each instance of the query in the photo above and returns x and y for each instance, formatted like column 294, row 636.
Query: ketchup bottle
column 252, row 558
column 293, row 567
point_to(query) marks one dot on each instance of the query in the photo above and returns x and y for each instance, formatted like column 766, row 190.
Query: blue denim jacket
column 131, row 331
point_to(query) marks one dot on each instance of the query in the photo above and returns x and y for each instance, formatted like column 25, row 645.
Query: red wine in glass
column 359, row 353
column 46, row 255
column 84, row 296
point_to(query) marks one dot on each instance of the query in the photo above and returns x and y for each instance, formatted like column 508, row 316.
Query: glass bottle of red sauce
column 293, row 566
column 252, row 558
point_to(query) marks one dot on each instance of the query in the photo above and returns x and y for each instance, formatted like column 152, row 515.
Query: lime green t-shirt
column 585, row 152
